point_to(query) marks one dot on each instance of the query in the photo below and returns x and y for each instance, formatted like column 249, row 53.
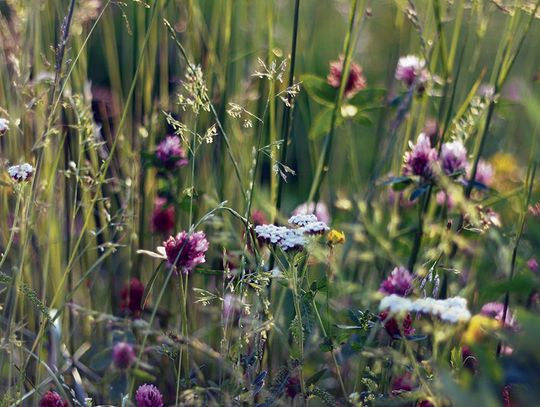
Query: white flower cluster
column 21, row 172
column 4, row 126
column 302, row 219
column 451, row 310
column 292, row 238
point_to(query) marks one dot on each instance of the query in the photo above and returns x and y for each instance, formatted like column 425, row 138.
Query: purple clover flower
column 52, row 399
column 453, row 157
column 148, row 395
column 170, row 153
column 419, row 161
column 123, row 355
column 186, row 251
column 399, row 282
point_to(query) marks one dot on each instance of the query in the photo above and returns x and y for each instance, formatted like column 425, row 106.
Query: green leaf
column 321, row 125
column 319, row 89
column 143, row 375
column 316, row 377
column 367, row 97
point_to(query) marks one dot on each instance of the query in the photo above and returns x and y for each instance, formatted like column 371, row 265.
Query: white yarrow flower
column 451, row 310
column 21, row 172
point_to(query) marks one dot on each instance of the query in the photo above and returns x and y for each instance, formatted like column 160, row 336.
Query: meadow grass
column 409, row 128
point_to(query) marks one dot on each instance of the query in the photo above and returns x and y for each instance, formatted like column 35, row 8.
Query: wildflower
column 148, row 395
column 451, row 310
column 495, row 310
column 478, row 327
column 410, row 69
column 484, row 173
column 443, row 198
column 315, row 228
column 170, row 153
column 399, row 282
column 420, row 159
column 355, row 82
column 335, row 237
column 4, row 126
column 21, row 172
column 302, row 219
column 507, row 171
column 534, row 210
column 405, row 382
column 52, row 399
column 270, row 233
column 293, row 388
column 163, row 216
column 132, row 296
column 258, row 217
column 186, row 251
column 123, row 355
column 292, row 239
column 232, row 306
column 432, row 130
column 453, row 157
column 532, row 264
column 391, row 325
column 319, row 210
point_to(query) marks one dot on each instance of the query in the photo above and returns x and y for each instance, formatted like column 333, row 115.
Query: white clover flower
column 4, row 126
column 409, row 68
column 21, row 172
column 451, row 310
column 302, row 219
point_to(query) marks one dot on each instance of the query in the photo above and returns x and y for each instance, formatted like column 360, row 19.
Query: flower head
column 495, row 310
column 398, row 282
column 391, row 325
column 170, row 153
column 52, row 399
column 258, row 217
column 302, row 219
column 163, row 216
column 148, row 395
column 479, row 326
column 132, row 295
column 420, row 159
column 4, row 126
column 123, row 355
column 186, row 251
column 335, row 237
column 319, row 210
column 355, row 82
column 21, row 172
column 532, row 264
column 484, row 173
column 453, row 157
column 405, row 382
column 410, row 69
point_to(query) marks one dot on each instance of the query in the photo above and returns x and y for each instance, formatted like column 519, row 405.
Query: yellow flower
column 479, row 326
column 335, row 237
column 507, row 171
